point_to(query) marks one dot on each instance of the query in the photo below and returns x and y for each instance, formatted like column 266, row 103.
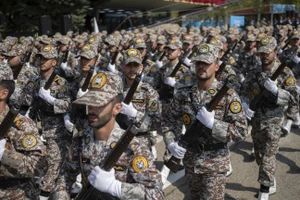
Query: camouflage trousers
column 205, row 186
column 265, row 139
column 21, row 192
column 56, row 152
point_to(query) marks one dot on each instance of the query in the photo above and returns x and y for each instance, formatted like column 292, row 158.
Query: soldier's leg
column 212, row 186
column 193, row 180
column 257, row 144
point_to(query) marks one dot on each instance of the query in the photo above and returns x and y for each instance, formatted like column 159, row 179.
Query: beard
column 204, row 78
column 102, row 121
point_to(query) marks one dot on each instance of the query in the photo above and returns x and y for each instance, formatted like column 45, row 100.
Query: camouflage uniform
column 24, row 157
column 207, row 158
column 268, row 119
column 135, row 168
column 52, row 119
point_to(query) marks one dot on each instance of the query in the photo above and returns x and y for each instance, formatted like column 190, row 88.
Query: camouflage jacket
column 135, row 168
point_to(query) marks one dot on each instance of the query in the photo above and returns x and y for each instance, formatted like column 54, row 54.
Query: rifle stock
column 197, row 127
column 9, row 120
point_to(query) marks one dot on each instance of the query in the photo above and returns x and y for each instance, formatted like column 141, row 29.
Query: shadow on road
column 242, row 148
column 294, row 168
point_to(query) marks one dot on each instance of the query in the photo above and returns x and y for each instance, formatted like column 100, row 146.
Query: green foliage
column 22, row 16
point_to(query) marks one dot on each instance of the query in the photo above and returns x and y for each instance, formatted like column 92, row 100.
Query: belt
column 139, row 134
column 12, row 182
column 199, row 148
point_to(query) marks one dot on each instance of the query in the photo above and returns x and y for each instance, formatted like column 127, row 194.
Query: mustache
column 92, row 115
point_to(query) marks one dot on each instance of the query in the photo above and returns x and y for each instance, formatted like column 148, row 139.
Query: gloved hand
column 105, row 181
column 2, row 147
column 80, row 93
column 27, row 65
column 176, row 150
column 159, row 64
column 249, row 113
column 68, row 124
column 187, row 61
column 45, row 94
column 296, row 59
column 271, row 86
column 63, row 65
column 5, row 61
column 128, row 109
column 279, row 51
column 170, row 81
column 111, row 68
column 43, row 197
column 205, row 117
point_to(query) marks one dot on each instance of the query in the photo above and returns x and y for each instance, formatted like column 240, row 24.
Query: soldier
column 206, row 160
column 50, row 106
column 22, row 153
column 135, row 176
column 267, row 120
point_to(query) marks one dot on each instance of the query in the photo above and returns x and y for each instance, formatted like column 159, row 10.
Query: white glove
column 43, row 198
column 249, row 113
column 205, row 117
column 271, row 86
column 298, row 89
column 28, row 112
column 128, row 109
column 80, row 93
column 279, row 51
column 176, row 150
column 27, row 65
column 105, row 181
column 45, row 94
column 111, row 68
column 5, row 61
column 68, row 124
column 151, row 54
column 2, row 147
column 170, row 81
column 187, row 61
column 296, row 59
column 63, row 65
column 159, row 64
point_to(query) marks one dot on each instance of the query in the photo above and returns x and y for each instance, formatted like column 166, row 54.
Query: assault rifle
column 197, row 128
column 9, row 120
column 23, row 62
column 89, row 76
column 264, row 93
column 88, row 192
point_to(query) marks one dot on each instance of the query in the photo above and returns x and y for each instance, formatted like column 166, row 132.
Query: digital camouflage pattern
column 135, row 168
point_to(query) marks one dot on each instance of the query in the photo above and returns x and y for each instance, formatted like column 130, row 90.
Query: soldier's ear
column 3, row 93
column 54, row 62
column 117, row 109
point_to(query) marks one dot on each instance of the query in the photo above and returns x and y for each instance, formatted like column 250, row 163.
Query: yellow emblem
column 265, row 41
column 255, row 91
column 290, row 81
column 22, row 40
column 91, row 40
column 113, row 144
column 30, row 84
column 204, row 49
column 132, row 52
column 187, row 79
column 29, row 141
column 232, row 61
column 160, row 37
column 153, row 105
column 186, row 119
column 194, row 89
column 235, row 107
column 227, row 68
column 99, row 80
column 138, row 41
column 62, row 89
column 86, row 47
column 211, row 91
column 139, row 163
column 213, row 41
column 153, row 69
column 173, row 41
column 47, row 48
column 57, row 80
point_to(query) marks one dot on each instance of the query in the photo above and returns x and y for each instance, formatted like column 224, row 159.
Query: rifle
column 287, row 42
column 9, row 120
column 167, row 92
column 23, row 62
column 89, row 76
column 224, row 59
column 88, row 192
column 121, row 118
column 197, row 128
column 264, row 93
column 114, row 57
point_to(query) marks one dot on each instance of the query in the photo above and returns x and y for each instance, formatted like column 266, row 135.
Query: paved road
column 242, row 184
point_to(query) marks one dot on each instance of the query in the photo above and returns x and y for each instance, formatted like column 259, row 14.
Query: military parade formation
column 80, row 113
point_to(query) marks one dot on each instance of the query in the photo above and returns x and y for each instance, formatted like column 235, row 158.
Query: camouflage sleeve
column 233, row 126
column 171, row 121
column 246, row 92
column 154, row 112
column 148, row 184
column 63, row 99
column 26, row 155
column 28, row 95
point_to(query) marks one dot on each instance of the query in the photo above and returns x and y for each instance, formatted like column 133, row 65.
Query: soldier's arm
column 63, row 99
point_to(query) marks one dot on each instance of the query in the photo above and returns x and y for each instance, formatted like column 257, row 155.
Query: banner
column 238, row 21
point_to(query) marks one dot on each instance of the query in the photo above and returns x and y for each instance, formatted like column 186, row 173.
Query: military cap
column 88, row 51
column 161, row 39
column 64, row 40
column 250, row 38
column 139, row 43
column 79, row 39
column 207, row 53
column 6, row 73
column 17, row 50
column 216, row 43
column 175, row 43
column 103, row 88
column 281, row 32
column 295, row 34
column 269, row 44
column 132, row 55
column 48, row 52
column 188, row 39
column 45, row 39
column 260, row 36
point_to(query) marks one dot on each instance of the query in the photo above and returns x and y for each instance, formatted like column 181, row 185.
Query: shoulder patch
column 153, row 105
column 139, row 163
column 113, row 144
column 153, row 69
column 235, row 107
column 211, row 91
column 186, row 119
column 57, row 80
column 290, row 81
column 29, row 141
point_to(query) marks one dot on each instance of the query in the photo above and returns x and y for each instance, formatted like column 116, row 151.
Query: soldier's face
column 46, row 64
column 85, row 64
column 160, row 47
column 295, row 42
column 112, row 48
column 14, row 61
column 131, row 69
column 100, row 116
column 173, row 53
column 143, row 51
column 267, row 58
column 185, row 46
column 205, row 71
